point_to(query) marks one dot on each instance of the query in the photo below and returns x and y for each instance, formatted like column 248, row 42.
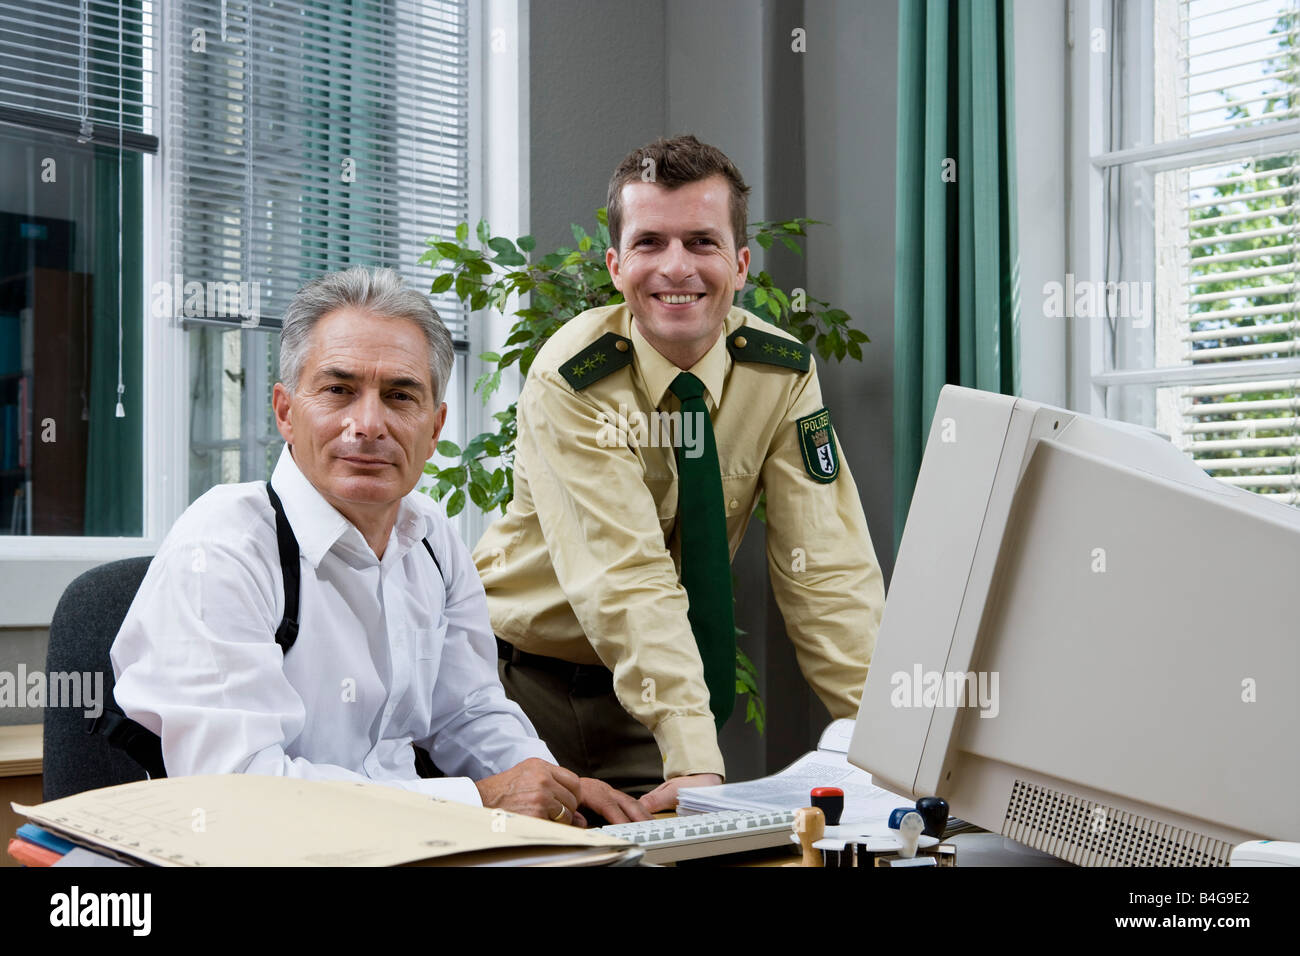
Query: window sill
column 34, row 572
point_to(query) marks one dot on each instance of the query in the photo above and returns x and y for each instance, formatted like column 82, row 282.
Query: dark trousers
column 577, row 715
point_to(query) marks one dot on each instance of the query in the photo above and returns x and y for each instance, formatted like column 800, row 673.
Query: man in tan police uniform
column 584, row 573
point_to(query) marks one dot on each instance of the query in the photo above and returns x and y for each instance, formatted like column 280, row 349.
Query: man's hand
column 534, row 788
column 664, row 796
column 614, row 805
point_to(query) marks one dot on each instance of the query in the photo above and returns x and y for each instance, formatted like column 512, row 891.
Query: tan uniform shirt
column 584, row 565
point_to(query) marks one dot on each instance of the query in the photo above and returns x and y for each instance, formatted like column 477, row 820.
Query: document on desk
column 256, row 820
column 828, row 766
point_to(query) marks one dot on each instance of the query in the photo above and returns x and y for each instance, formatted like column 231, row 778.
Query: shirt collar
column 658, row 373
column 319, row 526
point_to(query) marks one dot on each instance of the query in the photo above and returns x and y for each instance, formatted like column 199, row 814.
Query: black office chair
column 82, row 630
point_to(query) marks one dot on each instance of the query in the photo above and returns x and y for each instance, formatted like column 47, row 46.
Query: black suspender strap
column 287, row 632
column 140, row 744
column 428, row 547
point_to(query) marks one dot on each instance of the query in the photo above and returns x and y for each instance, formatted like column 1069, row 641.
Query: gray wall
column 596, row 90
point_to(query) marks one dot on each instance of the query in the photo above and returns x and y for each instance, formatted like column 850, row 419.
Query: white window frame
column 499, row 193
column 1089, row 376
column 35, row 570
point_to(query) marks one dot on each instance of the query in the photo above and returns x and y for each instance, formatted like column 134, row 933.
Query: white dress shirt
column 386, row 656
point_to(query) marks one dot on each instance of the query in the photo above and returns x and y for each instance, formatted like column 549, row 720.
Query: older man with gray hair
column 388, row 654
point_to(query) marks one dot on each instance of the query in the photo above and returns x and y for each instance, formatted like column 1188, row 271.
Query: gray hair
column 373, row 290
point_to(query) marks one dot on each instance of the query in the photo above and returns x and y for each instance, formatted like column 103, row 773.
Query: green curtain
column 956, row 285
column 115, row 450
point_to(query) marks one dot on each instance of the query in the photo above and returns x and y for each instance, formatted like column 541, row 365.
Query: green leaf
column 792, row 245
column 456, row 503
column 855, row 350
column 448, row 250
column 492, row 446
column 602, row 216
column 477, row 267
column 760, row 297
column 442, row 283
column 857, row 335
column 448, row 449
column 578, row 232
column 462, row 232
column 478, row 300
column 764, row 240
column 483, row 232
column 526, row 243
column 584, row 243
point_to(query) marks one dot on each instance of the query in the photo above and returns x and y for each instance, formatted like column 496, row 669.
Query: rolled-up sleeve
column 605, row 542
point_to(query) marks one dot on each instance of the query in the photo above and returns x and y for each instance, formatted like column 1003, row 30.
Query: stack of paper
column 827, row 766
column 256, row 820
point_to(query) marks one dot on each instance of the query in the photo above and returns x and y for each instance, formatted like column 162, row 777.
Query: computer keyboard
column 669, row 839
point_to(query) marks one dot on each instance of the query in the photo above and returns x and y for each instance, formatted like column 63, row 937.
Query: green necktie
column 706, row 559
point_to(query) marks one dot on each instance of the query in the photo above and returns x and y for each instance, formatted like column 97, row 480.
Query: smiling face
column 678, row 267
column 362, row 420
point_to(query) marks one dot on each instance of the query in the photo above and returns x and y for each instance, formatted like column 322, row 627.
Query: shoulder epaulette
column 748, row 344
column 607, row 354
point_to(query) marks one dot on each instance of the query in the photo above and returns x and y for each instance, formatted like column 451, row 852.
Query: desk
column 20, row 778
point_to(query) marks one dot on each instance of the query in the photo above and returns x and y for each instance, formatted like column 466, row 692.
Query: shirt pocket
column 425, row 663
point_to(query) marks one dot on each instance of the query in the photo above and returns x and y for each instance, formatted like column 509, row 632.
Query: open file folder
column 257, row 820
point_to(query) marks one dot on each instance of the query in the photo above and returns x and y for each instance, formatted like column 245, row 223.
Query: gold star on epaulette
column 603, row 357
column 751, row 343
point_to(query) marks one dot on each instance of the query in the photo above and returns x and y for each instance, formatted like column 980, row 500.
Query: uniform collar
column 658, row 373
column 319, row 526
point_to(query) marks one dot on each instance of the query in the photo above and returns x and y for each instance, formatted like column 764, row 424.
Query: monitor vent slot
column 1092, row 834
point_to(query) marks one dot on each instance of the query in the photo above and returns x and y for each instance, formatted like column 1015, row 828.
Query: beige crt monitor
column 1135, row 626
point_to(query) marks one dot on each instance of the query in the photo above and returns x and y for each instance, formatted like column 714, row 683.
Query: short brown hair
column 676, row 162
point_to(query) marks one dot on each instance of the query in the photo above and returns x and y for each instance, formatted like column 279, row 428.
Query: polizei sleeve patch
column 817, row 442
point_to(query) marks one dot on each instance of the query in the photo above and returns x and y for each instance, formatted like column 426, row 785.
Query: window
column 1199, row 174
column 304, row 137
column 76, row 141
